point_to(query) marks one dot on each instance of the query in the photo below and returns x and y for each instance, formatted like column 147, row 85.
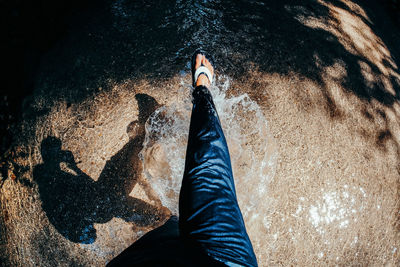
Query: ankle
column 203, row 80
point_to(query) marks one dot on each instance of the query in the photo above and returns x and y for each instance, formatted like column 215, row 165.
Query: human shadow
column 73, row 201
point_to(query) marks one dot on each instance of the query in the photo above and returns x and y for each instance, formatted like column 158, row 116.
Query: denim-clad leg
column 209, row 215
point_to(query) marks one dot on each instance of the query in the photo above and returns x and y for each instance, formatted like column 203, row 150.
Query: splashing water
column 251, row 147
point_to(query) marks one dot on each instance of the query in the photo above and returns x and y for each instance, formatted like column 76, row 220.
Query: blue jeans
column 211, row 229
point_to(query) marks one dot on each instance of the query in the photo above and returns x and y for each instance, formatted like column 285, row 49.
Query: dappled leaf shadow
column 121, row 40
column 112, row 41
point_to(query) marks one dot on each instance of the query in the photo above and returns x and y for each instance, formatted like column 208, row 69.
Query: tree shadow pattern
column 154, row 39
column 118, row 40
column 73, row 201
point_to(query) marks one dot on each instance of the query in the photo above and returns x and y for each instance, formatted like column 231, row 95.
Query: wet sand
column 328, row 86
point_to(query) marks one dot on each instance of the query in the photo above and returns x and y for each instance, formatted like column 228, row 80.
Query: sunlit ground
column 331, row 154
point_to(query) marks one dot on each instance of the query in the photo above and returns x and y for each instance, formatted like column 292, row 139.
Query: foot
column 203, row 79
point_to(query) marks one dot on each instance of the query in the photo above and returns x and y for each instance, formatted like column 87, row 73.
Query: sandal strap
column 203, row 70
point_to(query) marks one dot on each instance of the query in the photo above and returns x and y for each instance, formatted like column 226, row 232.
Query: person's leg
column 162, row 247
column 210, row 217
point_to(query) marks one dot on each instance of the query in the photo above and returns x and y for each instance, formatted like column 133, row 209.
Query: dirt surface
column 326, row 77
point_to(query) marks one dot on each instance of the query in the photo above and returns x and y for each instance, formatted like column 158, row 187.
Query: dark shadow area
column 382, row 138
column 73, row 201
column 85, row 48
column 29, row 29
column 282, row 44
column 393, row 8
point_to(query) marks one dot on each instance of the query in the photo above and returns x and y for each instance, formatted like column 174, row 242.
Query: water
column 167, row 32
column 246, row 129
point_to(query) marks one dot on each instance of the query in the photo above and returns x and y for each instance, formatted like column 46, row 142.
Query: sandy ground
column 77, row 193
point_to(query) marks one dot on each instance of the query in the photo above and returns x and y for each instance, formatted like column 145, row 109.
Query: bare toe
column 199, row 59
column 208, row 65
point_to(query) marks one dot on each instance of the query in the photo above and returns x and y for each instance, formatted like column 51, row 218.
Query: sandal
column 202, row 69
